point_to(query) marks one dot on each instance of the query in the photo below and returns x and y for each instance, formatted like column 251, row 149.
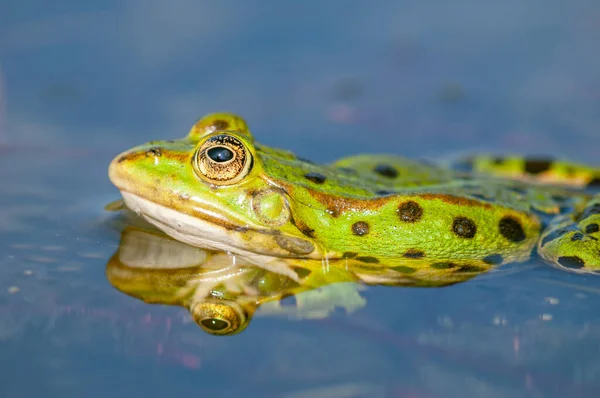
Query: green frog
column 220, row 189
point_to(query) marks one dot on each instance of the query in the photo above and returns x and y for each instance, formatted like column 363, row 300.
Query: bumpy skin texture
column 379, row 210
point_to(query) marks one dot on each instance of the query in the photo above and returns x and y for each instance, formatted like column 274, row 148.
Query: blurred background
column 323, row 78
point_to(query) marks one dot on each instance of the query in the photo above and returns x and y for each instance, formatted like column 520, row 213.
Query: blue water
column 81, row 81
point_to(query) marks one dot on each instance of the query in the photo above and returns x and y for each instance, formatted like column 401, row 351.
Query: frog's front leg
column 573, row 241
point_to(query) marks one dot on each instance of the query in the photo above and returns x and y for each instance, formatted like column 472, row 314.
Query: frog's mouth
column 181, row 226
column 208, row 231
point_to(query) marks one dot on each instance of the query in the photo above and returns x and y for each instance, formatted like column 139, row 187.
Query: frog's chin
column 210, row 231
column 180, row 226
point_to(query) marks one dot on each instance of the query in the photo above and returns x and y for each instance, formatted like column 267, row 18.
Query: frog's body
column 217, row 188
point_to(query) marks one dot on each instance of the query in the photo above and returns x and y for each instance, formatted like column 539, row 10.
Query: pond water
column 82, row 81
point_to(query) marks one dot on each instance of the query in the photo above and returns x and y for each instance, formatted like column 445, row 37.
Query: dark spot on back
column 368, row 259
column 360, row 228
column 511, row 229
column 349, row 255
column 220, row 124
column 493, row 259
column 443, row 265
column 591, row 228
column 594, row 182
column 410, row 211
column 386, row 170
column 537, row 166
column 576, row 236
column 404, row 270
column 414, row 253
column 464, row 227
column 317, row 178
column 573, row 262
column 384, row 193
column 497, row 160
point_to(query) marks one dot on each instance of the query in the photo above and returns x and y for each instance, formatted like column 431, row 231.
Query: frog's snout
column 120, row 170
column 124, row 170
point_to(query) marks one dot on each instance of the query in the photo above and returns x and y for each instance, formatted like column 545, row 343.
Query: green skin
column 380, row 210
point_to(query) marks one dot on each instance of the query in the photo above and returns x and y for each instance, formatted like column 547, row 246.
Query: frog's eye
column 219, row 316
column 222, row 160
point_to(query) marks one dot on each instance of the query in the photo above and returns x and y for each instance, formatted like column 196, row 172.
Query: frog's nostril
column 154, row 151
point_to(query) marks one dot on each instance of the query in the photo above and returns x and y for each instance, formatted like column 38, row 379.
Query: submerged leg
column 573, row 241
column 545, row 170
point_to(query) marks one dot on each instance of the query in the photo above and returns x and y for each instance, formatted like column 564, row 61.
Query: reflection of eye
column 219, row 317
column 222, row 160
column 215, row 324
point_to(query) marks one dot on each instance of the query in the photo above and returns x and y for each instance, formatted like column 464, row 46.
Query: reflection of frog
column 218, row 188
column 222, row 291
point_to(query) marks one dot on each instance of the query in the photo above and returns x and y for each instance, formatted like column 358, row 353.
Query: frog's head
column 213, row 189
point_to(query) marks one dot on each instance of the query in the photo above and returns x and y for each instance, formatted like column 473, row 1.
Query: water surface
column 82, row 81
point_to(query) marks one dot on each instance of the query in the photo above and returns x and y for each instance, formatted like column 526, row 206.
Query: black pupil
column 214, row 323
column 220, row 154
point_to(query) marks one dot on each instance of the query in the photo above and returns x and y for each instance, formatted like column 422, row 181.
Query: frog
column 219, row 188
